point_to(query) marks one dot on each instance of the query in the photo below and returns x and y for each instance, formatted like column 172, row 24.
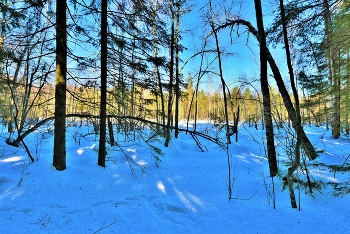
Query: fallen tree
column 20, row 138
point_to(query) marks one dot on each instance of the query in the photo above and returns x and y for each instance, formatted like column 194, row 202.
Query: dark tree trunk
column 296, row 159
column 59, row 154
column 156, row 73
column 102, row 143
column 271, row 152
column 177, row 74
column 111, row 133
column 222, row 78
column 171, row 74
column 304, row 140
column 332, row 77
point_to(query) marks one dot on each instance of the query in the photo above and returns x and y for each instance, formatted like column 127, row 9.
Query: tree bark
column 296, row 161
column 171, row 74
column 221, row 77
column 305, row 142
column 156, row 71
column 332, row 77
column 59, row 154
column 177, row 74
column 271, row 151
column 102, row 142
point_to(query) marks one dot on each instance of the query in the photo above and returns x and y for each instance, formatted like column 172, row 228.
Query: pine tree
column 59, row 154
column 103, row 103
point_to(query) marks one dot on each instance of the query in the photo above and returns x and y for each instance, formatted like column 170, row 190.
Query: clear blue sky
column 245, row 60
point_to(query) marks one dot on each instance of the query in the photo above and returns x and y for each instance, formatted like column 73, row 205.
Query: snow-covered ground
column 186, row 193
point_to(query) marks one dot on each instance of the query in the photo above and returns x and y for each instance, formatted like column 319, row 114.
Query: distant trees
column 316, row 31
column 24, row 65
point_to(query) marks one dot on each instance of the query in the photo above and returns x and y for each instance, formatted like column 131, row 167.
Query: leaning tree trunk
column 296, row 160
column 305, row 142
column 271, row 151
column 59, row 154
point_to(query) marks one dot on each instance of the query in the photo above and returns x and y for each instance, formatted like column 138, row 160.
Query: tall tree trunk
column 162, row 100
column 296, row 161
column 171, row 73
column 221, row 76
column 2, row 38
column 59, row 154
column 102, row 143
column 337, row 101
column 156, row 71
column 332, row 78
column 305, row 142
column 265, row 91
column 177, row 74
column 347, row 99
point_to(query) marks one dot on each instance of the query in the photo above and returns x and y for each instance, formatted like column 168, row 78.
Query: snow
column 186, row 193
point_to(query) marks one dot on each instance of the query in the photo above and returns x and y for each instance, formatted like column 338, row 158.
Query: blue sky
column 245, row 59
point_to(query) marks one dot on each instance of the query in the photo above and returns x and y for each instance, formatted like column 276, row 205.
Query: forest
column 165, row 67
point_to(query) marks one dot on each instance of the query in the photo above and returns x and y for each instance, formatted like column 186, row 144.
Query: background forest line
column 201, row 105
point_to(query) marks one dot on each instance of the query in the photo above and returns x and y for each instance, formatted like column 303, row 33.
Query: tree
column 333, row 78
column 177, row 69
column 305, row 142
column 103, row 103
column 59, row 154
column 340, row 45
column 220, row 73
column 265, row 91
column 313, row 33
column 171, row 73
column 296, row 161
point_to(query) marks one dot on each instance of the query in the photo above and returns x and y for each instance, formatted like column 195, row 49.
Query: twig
column 104, row 227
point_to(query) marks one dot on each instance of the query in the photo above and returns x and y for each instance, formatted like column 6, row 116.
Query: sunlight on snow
column 142, row 162
column 243, row 159
column 249, row 158
column 188, row 199
column 195, row 199
column 80, row 151
column 131, row 150
column 12, row 159
column 185, row 200
column 134, row 157
column 118, row 178
column 161, row 187
column 9, row 193
column 319, row 173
